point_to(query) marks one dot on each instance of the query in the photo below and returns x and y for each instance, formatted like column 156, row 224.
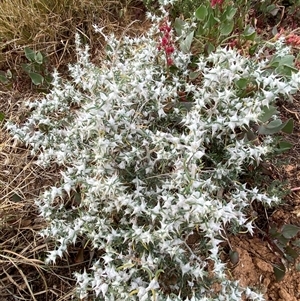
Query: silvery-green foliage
column 148, row 178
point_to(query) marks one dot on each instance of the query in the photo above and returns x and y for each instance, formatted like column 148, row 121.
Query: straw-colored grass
column 50, row 25
column 23, row 274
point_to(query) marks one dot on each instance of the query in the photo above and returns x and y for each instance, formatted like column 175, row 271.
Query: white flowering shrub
column 156, row 157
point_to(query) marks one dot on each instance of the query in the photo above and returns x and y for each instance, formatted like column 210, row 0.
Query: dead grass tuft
column 23, row 274
column 50, row 25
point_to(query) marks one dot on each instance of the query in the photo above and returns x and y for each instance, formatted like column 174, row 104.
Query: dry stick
column 26, row 260
column 65, row 297
column 12, row 280
column 24, row 278
column 10, row 293
column 292, row 112
column 29, row 263
column 43, row 246
column 295, row 189
column 17, row 176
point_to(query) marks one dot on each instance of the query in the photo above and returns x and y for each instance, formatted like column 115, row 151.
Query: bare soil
column 257, row 256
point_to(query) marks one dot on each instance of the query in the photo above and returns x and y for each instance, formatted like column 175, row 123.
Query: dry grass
column 20, row 245
column 50, row 25
column 23, row 274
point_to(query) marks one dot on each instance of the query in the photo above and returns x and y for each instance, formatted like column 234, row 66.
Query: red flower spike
column 213, row 3
column 169, row 61
column 166, row 43
column 170, row 50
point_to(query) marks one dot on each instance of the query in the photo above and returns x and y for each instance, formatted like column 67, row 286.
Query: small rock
column 285, row 296
column 262, row 265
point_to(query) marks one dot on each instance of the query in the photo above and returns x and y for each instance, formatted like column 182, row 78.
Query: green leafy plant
column 284, row 242
column 219, row 21
column 270, row 124
column 5, row 77
column 2, row 117
column 268, row 7
column 277, row 12
column 36, row 68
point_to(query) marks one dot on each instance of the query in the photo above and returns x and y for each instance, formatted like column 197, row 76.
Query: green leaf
column 39, row 58
column 185, row 45
column 26, row 67
column 282, row 242
column 30, row 54
column 201, row 31
column 185, row 105
column 274, row 127
column 44, row 128
column 48, row 78
column 16, row 198
column 296, row 243
column 249, row 33
column 3, row 78
column 178, row 25
column 250, row 135
column 77, row 197
column 211, row 22
column 284, row 146
column 226, row 28
column 292, row 252
column 287, row 60
column 201, row 12
column 284, row 64
column 268, row 112
column 2, row 116
column 274, row 123
column 288, row 126
column 290, row 231
column 272, row 9
column 242, row 83
column 8, row 74
column 234, row 257
column 209, row 48
column 286, row 70
column 230, row 13
column 252, row 49
column 193, row 75
column 279, row 271
column 36, row 78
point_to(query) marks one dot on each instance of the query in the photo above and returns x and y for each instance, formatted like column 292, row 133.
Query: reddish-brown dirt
column 256, row 255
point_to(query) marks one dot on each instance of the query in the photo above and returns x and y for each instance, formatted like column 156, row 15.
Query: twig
column 295, row 113
column 25, row 280
column 295, row 189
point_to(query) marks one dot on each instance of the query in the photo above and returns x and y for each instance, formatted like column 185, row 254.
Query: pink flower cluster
column 290, row 38
column 213, row 3
column 166, row 43
column 293, row 39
